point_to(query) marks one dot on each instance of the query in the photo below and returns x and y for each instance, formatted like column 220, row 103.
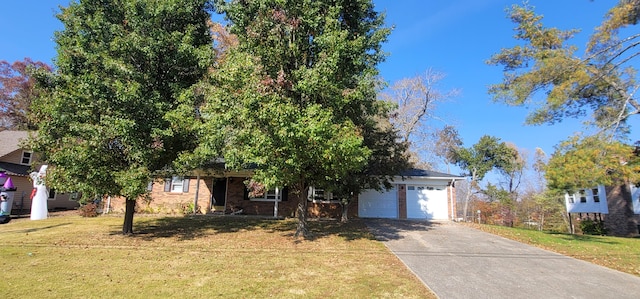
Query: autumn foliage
column 17, row 91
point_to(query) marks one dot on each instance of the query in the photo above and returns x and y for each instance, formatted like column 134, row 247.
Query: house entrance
column 218, row 198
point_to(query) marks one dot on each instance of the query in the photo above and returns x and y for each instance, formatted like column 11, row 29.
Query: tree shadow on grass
column 35, row 229
column 193, row 227
column 585, row 238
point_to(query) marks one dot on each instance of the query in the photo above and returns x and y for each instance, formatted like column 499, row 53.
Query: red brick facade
column 402, row 201
column 621, row 221
column 202, row 191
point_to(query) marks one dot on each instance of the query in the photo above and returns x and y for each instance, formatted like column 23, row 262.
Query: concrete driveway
column 456, row 261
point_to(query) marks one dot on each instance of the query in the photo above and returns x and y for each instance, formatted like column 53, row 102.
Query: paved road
column 457, row 261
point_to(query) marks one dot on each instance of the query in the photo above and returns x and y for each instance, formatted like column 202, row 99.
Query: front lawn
column 197, row 257
column 622, row 254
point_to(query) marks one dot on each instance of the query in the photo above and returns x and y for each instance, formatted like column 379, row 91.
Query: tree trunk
column 467, row 196
column 466, row 201
column 127, row 227
column 302, row 214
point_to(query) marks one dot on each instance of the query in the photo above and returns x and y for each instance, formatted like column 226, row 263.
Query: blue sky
column 454, row 37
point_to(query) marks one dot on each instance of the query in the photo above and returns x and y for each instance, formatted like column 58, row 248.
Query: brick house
column 223, row 195
column 416, row 194
column 618, row 206
column 18, row 163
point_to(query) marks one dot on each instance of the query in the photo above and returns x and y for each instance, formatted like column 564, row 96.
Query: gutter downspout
column 452, row 198
column 275, row 205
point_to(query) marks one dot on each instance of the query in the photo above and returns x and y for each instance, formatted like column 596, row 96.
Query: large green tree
column 388, row 159
column 115, row 112
column 295, row 98
column 602, row 81
column 487, row 154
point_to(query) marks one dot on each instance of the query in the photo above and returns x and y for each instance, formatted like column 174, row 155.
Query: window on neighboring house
column 176, row 184
column 320, row 195
column 150, row 186
column 572, row 198
column 52, row 194
column 583, row 195
column 73, row 196
column 26, row 158
column 596, row 197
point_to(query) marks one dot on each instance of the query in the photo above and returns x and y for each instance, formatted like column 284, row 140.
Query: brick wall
column 162, row 202
column 620, row 221
column 402, row 201
column 176, row 203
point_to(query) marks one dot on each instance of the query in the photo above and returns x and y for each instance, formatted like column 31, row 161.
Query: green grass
column 197, row 257
column 622, row 254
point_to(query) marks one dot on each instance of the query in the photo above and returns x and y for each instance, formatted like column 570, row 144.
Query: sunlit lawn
column 622, row 254
column 197, row 257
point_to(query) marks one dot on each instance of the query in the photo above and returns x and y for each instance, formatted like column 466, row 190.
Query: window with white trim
column 583, row 195
column 320, row 195
column 594, row 193
column 26, row 158
column 269, row 195
column 176, row 184
column 589, row 195
column 422, row 187
column 73, row 196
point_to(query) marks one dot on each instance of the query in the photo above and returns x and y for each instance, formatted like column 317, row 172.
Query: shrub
column 188, row 209
column 88, row 210
column 592, row 227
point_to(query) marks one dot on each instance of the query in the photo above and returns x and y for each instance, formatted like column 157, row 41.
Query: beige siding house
column 18, row 163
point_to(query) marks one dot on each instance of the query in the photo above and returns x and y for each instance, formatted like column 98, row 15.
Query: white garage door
column 427, row 202
column 374, row 204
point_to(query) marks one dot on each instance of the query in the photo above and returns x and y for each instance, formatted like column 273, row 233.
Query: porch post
column 195, row 199
column 275, row 206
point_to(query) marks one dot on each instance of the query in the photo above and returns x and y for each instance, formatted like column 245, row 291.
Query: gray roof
column 15, row 169
column 10, row 141
column 414, row 172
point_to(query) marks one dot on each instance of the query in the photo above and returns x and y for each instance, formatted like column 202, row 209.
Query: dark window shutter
column 185, row 185
column 167, row 185
column 246, row 193
column 285, row 193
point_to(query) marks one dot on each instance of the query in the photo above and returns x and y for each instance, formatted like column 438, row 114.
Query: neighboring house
column 18, row 163
column 617, row 206
column 416, row 194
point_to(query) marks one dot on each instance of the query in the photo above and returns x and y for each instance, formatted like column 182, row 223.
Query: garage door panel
column 426, row 202
column 374, row 204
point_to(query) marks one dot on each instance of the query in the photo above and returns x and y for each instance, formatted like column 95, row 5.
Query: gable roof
column 415, row 172
column 10, row 141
